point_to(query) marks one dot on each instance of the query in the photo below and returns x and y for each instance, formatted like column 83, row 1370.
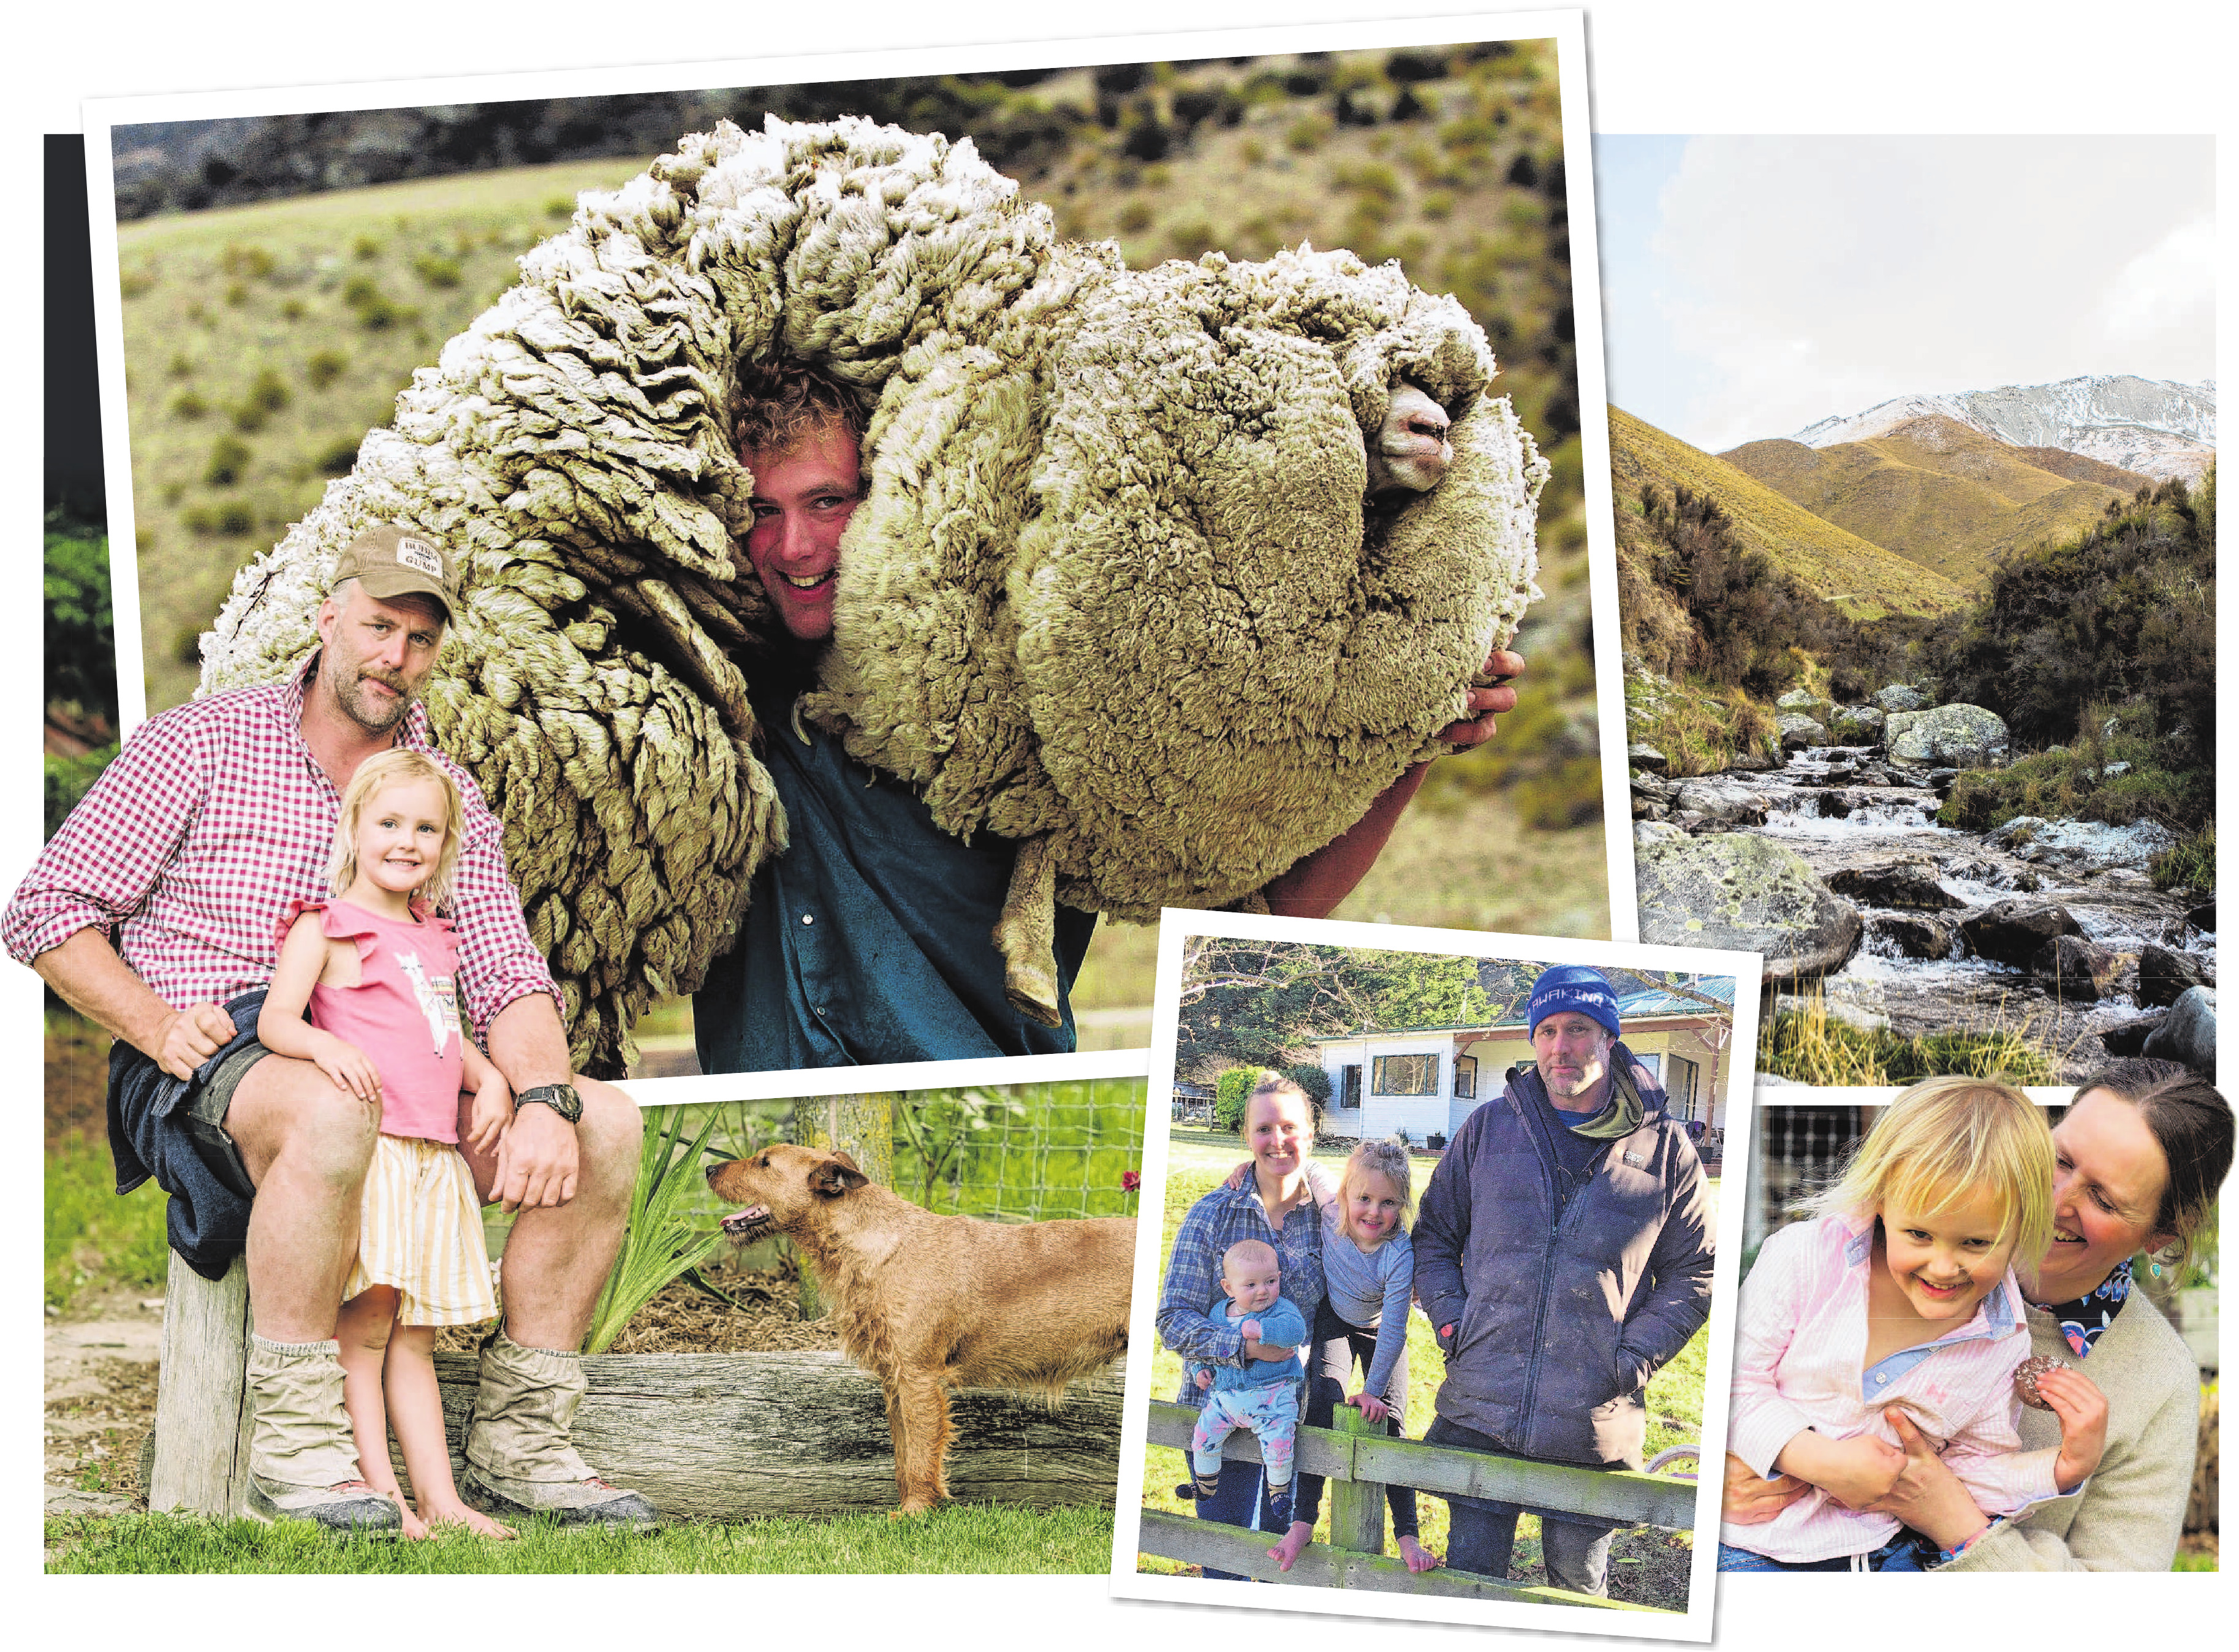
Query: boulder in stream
column 2011, row 931
column 1803, row 703
column 2072, row 969
column 1900, row 696
column 1751, row 760
column 1797, row 731
column 1908, row 881
column 2165, row 974
column 2128, row 1038
column 1720, row 802
column 1652, row 830
column 1745, row 893
column 1953, row 736
column 2188, row 1034
column 1641, row 754
column 1858, row 725
column 1913, row 935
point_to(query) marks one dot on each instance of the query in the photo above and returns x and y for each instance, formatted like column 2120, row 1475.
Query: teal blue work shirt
column 869, row 938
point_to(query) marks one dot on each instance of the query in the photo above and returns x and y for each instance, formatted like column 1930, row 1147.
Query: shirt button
column 1881, row 1377
column 808, row 918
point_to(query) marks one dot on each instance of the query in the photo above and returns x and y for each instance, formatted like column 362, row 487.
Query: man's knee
column 607, row 1137
column 287, row 1108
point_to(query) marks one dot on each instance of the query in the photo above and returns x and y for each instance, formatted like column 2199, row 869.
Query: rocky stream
column 1831, row 863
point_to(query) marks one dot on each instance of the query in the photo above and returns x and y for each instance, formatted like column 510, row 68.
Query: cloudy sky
column 1751, row 285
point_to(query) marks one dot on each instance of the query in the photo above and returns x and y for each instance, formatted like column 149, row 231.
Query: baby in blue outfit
column 1260, row 1396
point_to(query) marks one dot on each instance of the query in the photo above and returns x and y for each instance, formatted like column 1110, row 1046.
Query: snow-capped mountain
column 2150, row 426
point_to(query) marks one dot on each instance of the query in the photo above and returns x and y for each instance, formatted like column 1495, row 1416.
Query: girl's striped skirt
column 420, row 1229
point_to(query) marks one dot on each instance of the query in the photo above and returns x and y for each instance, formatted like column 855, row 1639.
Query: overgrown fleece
column 1114, row 580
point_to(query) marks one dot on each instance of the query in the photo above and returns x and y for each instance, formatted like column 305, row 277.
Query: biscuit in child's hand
column 2028, row 1370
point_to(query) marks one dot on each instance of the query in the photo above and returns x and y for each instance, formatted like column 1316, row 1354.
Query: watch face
column 562, row 1098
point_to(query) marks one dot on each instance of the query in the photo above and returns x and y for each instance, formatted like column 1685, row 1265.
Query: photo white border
column 1175, row 926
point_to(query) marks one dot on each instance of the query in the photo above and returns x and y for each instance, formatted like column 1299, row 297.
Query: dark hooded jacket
column 1562, row 1309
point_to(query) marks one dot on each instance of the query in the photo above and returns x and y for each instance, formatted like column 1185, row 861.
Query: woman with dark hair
column 2139, row 1158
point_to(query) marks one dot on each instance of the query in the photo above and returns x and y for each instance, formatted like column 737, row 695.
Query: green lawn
column 1197, row 1160
column 92, row 1236
column 977, row 1538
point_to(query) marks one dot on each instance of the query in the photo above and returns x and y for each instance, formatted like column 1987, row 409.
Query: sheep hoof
column 1033, row 992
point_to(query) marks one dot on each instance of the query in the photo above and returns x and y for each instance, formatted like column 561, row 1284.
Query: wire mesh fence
column 1030, row 1153
column 1015, row 1153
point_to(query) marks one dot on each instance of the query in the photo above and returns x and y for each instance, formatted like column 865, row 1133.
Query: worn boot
column 519, row 1459
column 303, row 1460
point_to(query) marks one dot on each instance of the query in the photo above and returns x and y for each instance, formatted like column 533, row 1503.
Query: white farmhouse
column 1424, row 1081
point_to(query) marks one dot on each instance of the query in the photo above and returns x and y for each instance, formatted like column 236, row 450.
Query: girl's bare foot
column 1418, row 1558
column 414, row 1527
column 454, row 1513
column 1286, row 1554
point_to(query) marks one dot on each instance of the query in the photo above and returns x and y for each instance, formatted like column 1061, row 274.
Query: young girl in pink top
column 1901, row 1296
column 377, row 968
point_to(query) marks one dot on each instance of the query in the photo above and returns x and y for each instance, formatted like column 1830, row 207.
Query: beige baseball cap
column 390, row 561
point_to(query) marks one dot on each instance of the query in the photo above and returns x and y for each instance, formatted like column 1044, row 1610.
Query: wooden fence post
column 1357, row 1506
column 200, row 1462
column 863, row 1127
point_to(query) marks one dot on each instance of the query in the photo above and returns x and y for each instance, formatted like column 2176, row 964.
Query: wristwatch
column 561, row 1098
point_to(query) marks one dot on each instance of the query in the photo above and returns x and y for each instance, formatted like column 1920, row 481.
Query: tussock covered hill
column 1938, row 493
column 1830, row 561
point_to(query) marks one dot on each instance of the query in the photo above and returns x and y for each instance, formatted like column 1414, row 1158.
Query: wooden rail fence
column 1359, row 1460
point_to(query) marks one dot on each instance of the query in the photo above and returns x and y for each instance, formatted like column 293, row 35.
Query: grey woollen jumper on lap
column 1562, row 1309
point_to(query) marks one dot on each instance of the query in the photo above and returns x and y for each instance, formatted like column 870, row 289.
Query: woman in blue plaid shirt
column 1278, row 1209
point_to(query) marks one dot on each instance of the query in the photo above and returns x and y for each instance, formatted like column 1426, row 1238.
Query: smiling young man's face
column 1945, row 1261
column 803, row 496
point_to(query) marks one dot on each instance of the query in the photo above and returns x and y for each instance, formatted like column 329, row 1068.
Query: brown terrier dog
column 929, row 1302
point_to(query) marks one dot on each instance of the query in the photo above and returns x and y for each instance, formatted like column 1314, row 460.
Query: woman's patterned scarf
column 2084, row 1318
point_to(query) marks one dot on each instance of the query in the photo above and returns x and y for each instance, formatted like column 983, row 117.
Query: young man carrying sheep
column 153, row 912
column 868, row 939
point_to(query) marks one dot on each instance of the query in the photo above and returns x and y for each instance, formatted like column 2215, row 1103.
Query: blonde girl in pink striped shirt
column 376, row 967
column 1901, row 1296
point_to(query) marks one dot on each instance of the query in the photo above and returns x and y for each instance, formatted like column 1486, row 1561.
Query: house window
column 1465, row 1078
column 1679, row 1085
column 1404, row 1076
column 1349, row 1093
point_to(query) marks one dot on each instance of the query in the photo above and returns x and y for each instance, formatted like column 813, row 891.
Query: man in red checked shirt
column 153, row 912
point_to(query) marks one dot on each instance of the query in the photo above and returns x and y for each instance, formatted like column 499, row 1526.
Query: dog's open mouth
column 741, row 1227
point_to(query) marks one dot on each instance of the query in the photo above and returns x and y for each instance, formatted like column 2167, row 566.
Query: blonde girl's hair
column 386, row 769
column 1385, row 1158
column 1942, row 1138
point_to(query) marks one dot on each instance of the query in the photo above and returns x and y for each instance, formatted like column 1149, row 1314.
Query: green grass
column 260, row 315
column 1812, row 1048
column 1197, row 1161
column 959, row 1538
column 93, row 1237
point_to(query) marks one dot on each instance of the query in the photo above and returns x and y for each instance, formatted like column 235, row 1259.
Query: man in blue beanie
column 1564, row 1255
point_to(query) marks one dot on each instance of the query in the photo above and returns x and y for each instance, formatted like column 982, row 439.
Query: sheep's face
column 803, row 498
column 1410, row 451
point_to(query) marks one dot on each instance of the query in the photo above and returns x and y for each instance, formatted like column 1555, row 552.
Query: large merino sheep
column 1166, row 574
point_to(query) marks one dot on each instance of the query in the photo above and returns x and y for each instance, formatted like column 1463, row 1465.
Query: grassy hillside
column 1859, row 576
column 1935, row 491
column 262, row 342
